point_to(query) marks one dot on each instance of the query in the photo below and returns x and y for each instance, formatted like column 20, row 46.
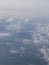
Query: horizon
column 28, row 8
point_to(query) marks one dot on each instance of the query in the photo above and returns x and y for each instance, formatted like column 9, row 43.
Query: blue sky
column 34, row 8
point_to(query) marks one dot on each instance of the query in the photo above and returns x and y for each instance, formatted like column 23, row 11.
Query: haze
column 33, row 8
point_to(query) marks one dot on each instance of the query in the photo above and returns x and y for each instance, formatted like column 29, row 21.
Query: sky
column 33, row 8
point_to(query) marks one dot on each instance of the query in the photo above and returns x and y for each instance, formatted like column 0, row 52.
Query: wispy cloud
column 4, row 34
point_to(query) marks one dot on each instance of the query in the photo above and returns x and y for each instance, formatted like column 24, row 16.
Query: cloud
column 20, row 51
column 18, row 24
column 45, row 52
column 17, row 27
column 27, row 41
column 4, row 34
column 14, row 51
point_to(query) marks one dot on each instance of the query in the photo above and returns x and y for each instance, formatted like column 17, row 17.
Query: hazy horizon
column 33, row 8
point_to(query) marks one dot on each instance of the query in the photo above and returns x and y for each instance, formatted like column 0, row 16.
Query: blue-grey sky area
column 33, row 8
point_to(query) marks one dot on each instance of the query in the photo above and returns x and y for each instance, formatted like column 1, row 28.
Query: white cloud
column 27, row 41
column 4, row 34
column 20, row 51
column 14, row 51
column 45, row 52
column 18, row 24
column 17, row 27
